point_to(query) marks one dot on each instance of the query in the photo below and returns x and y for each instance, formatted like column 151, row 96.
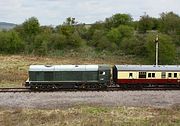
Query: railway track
column 14, row 90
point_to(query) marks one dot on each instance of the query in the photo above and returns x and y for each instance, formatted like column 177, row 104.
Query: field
column 14, row 72
column 91, row 116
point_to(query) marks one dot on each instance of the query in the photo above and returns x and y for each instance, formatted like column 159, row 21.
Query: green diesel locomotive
column 68, row 76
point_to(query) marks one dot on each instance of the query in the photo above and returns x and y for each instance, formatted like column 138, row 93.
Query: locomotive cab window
column 142, row 74
column 175, row 75
column 102, row 73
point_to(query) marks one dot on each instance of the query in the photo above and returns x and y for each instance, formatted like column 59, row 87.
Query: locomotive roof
column 63, row 68
column 148, row 67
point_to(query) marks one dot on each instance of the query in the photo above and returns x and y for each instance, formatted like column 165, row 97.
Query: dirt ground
column 55, row 100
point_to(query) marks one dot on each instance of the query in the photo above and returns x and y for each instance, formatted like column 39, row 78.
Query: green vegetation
column 91, row 116
column 117, row 35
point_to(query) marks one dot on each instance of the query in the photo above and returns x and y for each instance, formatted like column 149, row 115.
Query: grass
column 90, row 116
column 14, row 68
column 14, row 72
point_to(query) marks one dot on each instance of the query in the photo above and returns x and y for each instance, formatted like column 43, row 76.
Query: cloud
column 88, row 11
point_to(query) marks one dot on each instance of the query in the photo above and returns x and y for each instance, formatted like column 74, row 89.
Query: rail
column 14, row 90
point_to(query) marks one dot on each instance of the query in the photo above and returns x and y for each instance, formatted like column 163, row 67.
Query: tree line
column 118, row 33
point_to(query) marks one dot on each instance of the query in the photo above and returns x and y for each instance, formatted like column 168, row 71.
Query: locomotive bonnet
column 68, row 76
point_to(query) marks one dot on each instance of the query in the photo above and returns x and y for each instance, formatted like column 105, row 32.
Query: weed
column 90, row 116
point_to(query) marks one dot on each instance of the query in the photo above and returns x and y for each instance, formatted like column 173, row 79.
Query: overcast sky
column 53, row 12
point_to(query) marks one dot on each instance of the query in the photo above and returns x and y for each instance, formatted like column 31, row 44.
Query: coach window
column 175, row 75
column 149, row 74
column 142, row 74
column 153, row 74
column 163, row 75
column 130, row 75
column 169, row 74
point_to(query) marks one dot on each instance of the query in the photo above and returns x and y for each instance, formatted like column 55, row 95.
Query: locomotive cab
column 104, row 74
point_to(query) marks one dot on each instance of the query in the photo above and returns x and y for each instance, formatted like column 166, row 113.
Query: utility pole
column 157, row 49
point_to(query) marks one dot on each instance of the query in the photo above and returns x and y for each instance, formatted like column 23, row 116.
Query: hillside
column 118, row 35
column 7, row 26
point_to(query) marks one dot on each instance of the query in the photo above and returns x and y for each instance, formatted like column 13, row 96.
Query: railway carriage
column 68, row 76
column 146, row 75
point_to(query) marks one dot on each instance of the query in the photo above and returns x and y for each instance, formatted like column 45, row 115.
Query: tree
column 98, row 26
column 116, row 35
column 101, row 42
column 40, row 44
column 96, row 37
column 155, row 23
column 67, row 28
column 57, row 41
column 145, row 23
column 10, row 42
column 31, row 26
column 82, row 31
column 118, row 19
column 70, row 21
column 170, row 23
column 47, row 29
column 74, row 41
column 133, row 46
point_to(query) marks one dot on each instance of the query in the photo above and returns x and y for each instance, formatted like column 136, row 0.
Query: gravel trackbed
column 53, row 100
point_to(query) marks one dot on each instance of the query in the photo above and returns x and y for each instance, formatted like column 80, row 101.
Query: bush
column 57, row 41
column 40, row 44
column 10, row 42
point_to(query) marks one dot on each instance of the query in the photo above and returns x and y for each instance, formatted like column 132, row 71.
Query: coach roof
column 147, row 67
